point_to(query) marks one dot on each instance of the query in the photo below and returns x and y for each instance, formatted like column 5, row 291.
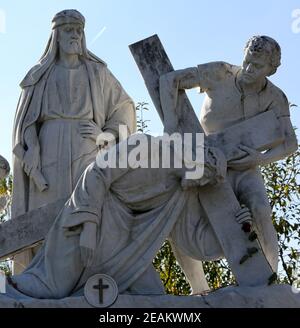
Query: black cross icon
column 101, row 288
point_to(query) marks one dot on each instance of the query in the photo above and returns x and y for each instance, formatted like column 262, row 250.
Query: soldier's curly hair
column 266, row 45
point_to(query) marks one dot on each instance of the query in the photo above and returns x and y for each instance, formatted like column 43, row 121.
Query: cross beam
column 27, row 229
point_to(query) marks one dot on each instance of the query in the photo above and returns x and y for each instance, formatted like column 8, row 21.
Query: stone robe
column 64, row 152
column 56, row 104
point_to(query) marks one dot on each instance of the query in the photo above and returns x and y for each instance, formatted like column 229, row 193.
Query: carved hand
column 105, row 140
column 89, row 129
column 31, row 159
column 251, row 159
column 243, row 215
column 87, row 243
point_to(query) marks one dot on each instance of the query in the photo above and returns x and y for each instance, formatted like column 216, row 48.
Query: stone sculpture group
column 116, row 218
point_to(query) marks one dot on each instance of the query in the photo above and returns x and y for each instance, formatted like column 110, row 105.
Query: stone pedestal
column 275, row 296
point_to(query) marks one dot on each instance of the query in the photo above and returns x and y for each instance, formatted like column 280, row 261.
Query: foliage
column 141, row 122
column 282, row 182
column 5, row 191
column 5, row 267
column 5, row 186
column 170, row 272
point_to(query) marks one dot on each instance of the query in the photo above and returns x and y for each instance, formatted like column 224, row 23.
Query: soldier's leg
column 192, row 269
column 251, row 192
column 193, row 240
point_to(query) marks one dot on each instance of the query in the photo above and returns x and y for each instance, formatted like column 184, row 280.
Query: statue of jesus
column 69, row 106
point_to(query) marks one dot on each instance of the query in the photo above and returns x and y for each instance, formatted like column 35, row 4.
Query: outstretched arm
column 206, row 76
column 170, row 86
column 184, row 78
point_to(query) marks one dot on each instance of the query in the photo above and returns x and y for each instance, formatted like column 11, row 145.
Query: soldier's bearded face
column 255, row 67
column 70, row 38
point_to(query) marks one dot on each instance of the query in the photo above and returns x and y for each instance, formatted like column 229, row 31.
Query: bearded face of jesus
column 70, row 38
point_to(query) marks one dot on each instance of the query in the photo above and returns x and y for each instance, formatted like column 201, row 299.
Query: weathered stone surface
column 275, row 296
column 115, row 221
column 219, row 203
column 153, row 62
column 57, row 130
column 251, row 133
column 27, row 229
column 97, row 287
column 237, row 94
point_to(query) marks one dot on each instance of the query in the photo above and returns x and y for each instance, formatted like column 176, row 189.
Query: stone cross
column 219, row 202
column 94, row 290
column 101, row 288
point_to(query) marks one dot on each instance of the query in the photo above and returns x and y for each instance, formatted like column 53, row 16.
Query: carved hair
column 49, row 56
column 263, row 44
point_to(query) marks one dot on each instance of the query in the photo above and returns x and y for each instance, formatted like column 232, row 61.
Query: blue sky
column 192, row 32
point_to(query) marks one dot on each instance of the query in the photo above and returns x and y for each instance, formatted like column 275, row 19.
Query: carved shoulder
column 211, row 74
column 280, row 103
